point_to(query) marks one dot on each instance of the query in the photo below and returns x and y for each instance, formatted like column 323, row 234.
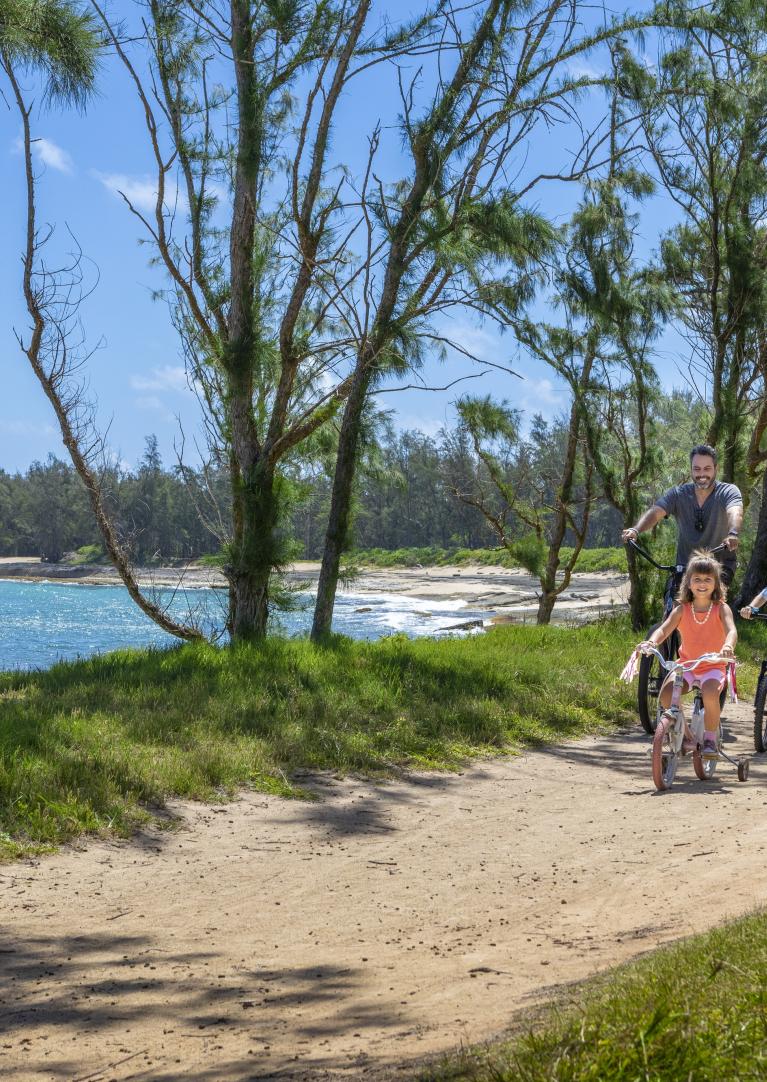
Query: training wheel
column 743, row 765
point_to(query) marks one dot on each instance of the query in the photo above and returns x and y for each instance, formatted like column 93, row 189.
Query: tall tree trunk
column 640, row 591
column 546, row 604
column 254, row 552
column 755, row 577
column 340, row 505
column 253, row 491
column 550, row 590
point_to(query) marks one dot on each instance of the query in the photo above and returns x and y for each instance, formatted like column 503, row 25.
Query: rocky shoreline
column 511, row 594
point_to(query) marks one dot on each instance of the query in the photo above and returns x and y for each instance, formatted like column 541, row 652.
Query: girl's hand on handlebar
column 727, row 651
column 646, row 647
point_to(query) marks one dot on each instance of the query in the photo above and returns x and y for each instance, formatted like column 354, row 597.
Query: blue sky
column 136, row 374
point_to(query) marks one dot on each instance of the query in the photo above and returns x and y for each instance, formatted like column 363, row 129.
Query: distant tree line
column 405, row 496
column 46, row 511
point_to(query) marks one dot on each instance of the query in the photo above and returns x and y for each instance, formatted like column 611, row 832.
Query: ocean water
column 44, row 622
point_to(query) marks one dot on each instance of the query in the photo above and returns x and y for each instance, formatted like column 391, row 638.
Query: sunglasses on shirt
column 700, row 524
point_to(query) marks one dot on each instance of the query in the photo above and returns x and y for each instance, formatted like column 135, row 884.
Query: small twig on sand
column 101, row 1070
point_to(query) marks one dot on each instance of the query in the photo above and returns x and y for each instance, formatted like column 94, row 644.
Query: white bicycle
column 674, row 738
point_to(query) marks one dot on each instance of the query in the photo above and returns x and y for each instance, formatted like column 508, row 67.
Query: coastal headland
column 510, row 593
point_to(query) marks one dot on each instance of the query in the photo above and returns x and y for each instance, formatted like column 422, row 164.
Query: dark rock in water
column 365, row 608
column 465, row 626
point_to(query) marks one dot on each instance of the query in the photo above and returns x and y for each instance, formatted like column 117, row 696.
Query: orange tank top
column 700, row 638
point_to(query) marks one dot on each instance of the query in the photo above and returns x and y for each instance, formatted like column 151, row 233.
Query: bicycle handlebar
column 665, row 567
column 687, row 666
column 647, row 556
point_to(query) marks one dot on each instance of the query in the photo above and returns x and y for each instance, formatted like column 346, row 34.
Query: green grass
column 96, row 745
column 589, row 560
column 87, row 554
column 99, row 745
column 695, row 1011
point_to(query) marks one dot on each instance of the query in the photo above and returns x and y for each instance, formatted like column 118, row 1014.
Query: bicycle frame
column 668, row 741
column 760, row 698
column 760, row 616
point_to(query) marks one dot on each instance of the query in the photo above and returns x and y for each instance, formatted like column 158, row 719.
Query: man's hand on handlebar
column 629, row 534
column 731, row 542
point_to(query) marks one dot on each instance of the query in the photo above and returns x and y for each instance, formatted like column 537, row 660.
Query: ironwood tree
column 298, row 281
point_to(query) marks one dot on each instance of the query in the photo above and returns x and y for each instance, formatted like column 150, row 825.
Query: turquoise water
column 44, row 622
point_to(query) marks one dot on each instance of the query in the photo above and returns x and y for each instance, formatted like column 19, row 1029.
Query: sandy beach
column 510, row 594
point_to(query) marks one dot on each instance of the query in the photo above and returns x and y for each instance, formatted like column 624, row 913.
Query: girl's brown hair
column 702, row 562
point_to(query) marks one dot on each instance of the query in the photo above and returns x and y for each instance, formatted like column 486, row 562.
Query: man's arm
column 735, row 520
column 734, row 509
column 651, row 516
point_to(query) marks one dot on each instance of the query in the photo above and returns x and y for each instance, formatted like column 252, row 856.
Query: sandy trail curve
column 351, row 937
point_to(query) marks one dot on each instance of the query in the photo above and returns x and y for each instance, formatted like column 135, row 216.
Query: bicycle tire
column 704, row 768
column 664, row 758
column 651, row 674
column 760, row 715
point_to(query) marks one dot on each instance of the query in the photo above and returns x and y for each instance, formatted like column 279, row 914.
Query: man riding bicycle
column 708, row 513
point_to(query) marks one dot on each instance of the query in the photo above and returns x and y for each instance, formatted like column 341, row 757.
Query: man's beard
column 703, row 482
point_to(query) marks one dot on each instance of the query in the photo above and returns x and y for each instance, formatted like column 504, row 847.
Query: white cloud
column 49, row 153
column 25, row 428
column 580, row 69
column 430, row 426
column 169, row 378
column 54, row 156
column 141, row 192
column 542, row 396
column 475, row 340
column 149, row 402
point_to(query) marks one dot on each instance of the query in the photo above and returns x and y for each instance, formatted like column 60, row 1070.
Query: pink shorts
column 702, row 678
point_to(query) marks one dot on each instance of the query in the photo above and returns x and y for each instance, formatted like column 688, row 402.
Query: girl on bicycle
column 706, row 626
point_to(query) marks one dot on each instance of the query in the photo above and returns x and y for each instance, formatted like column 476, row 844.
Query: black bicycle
column 760, row 699
column 651, row 672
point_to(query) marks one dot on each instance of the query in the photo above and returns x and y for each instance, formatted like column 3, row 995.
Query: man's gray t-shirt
column 712, row 516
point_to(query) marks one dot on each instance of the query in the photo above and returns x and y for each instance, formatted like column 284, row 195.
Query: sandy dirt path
column 351, row 937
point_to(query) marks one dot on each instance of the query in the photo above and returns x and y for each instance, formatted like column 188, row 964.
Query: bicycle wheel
column 760, row 715
column 651, row 674
column 664, row 755
column 704, row 768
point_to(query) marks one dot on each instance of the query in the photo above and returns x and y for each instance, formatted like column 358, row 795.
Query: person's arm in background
column 735, row 519
column 748, row 610
column 649, row 519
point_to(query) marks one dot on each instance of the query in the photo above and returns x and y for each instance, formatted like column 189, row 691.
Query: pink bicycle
column 673, row 738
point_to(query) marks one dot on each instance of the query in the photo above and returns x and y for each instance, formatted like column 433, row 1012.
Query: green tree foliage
column 705, row 125
column 511, row 484
column 57, row 40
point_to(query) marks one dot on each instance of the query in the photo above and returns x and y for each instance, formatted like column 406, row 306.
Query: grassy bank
column 98, row 745
column 589, row 560
column 95, row 745
column 693, row 1011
